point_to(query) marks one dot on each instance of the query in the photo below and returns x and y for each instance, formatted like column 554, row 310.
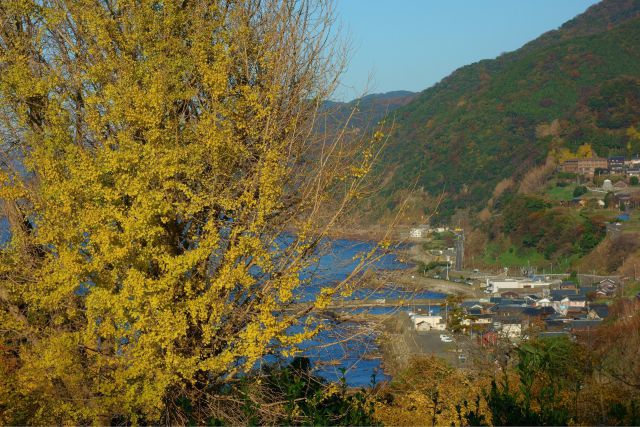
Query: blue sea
column 349, row 349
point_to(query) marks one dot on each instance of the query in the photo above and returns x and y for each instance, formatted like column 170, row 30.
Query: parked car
column 445, row 338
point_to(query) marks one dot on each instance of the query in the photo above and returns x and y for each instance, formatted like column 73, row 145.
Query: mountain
column 368, row 110
column 496, row 119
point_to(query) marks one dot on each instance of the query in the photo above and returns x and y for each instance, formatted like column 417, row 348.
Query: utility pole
column 460, row 251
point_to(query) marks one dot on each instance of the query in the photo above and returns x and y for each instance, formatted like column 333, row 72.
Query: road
column 411, row 279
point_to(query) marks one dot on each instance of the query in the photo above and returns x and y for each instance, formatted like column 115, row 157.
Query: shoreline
column 411, row 280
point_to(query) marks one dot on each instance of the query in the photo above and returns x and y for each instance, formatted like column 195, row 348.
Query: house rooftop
column 508, row 308
column 584, row 324
column 469, row 304
column 602, row 310
column 508, row 320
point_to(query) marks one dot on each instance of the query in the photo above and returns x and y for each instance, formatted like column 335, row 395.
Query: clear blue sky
column 412, row 44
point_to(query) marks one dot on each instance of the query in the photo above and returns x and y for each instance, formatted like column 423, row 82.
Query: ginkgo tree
column 154, row 153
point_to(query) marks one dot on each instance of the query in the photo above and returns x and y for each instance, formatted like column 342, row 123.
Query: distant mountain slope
column 369, row 109
column 497, row 118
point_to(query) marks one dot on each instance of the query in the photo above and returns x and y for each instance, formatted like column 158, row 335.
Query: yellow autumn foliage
column 562, row 154
column 154, row 153
column 430, row 392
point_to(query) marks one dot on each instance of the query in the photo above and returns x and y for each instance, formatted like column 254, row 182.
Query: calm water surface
column 349, row 347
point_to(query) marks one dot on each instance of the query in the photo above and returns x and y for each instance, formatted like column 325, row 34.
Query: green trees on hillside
column 492, row 120
column 531, row 222
column 580, row 190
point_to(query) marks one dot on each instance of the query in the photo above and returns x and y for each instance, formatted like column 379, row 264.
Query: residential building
column 496, row 285
column 633, row 170
column 620, row 185
column 543, row 302
column 583, row 327
column 584, row 166
column 598, row 311
column 428, row 322
column 633, row 162
column 417, row 232
column 615, row 165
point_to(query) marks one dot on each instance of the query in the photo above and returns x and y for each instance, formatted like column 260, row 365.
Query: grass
column 560, row 193
column 631, row 288
column 434, row 245
column 512, row 257
column 564, row 265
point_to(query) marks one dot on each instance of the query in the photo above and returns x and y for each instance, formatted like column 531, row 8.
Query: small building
column 586, row 167
column 598, row 311
column 419, row 231
column 608, row 287
column 497, row 285
column 633, row 162
column 633, row 170
column 568, row 302
column 508, row 310
column 474, row 308
column 577, row 313
column 510, row 295
column 428, row 322
column 615, row 164
column 580, row 327
column 538, row 312
column 620, row 185
column 575, row 300
column 543, row 302
column 565, row 285
column 532, row 299
column 622, row 199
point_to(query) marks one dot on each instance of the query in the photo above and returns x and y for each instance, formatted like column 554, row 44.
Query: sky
column 413, row 44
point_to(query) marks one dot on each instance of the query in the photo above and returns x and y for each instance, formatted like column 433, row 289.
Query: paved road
column 412, row 280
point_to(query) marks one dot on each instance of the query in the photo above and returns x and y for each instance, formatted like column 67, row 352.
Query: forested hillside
column 496, row 119
column 364, row 112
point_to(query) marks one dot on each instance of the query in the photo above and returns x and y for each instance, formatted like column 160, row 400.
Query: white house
column 543, row 302
column 496, row 285
column 485, row 320
column 415, row 233
column 419, row 231
column 423, row 322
